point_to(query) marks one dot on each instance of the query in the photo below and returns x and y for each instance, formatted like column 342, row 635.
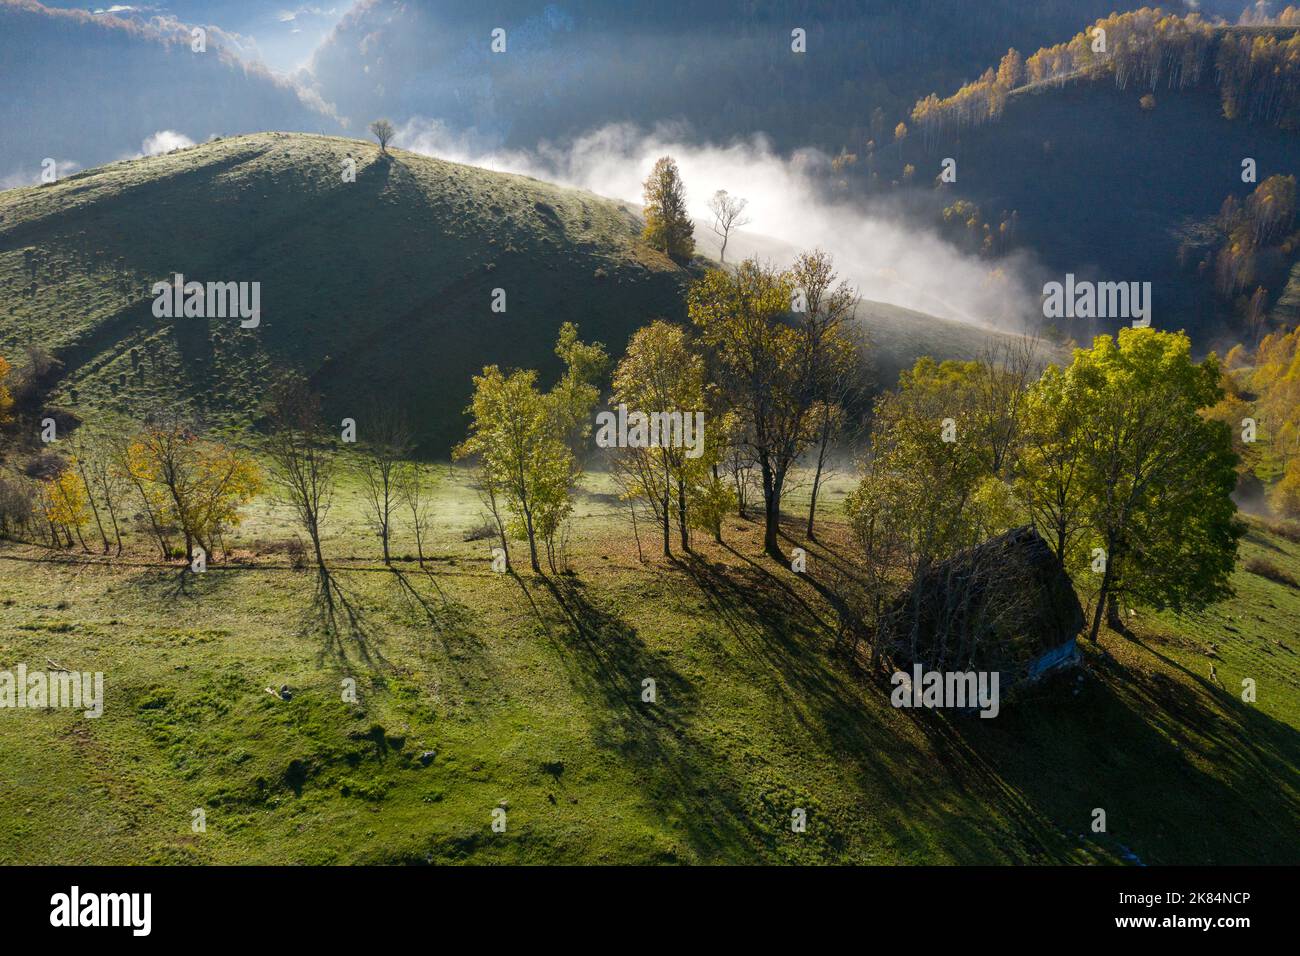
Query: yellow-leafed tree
column 66, row 504
column 194, row 485
column 6, row 400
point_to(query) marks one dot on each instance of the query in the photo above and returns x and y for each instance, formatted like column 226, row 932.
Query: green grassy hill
column 382, row 287
column 480, row 690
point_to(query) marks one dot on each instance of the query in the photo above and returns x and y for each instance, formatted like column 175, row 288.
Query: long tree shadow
column 339, row 617
column 683, row 777
column 449, row 622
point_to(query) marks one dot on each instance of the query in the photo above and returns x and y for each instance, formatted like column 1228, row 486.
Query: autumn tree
column 835, row 360
column 668, row 226
column 63, row 499
column 1011, row 71
column 766, row 349
column 927, row 489
column 661, row 375
column 199, row 486
column 520, row 438
column 1265, row 388
column 1049, row 469
column 928, row 470
column 6, row 399
column 520, row 453
column 92, row 457
column 576, row 393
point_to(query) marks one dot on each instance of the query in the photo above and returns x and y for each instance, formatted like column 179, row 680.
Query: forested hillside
column 1142, row 161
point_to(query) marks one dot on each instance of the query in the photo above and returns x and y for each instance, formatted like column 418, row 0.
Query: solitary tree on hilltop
column 383, row 131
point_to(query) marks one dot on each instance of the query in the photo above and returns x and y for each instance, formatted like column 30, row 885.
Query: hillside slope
column 382, row 287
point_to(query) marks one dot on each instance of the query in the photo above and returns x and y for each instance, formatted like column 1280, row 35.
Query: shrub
column 1267, row 569
column 17, row 506
column 480, row 532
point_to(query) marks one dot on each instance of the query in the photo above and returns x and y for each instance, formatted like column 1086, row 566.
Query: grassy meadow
column 480, row 690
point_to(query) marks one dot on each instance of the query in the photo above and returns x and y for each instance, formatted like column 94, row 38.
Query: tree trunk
column 501, row 528
column 419, row 543
column 772, row 512
column 817, row 475
column 1101, row 602
column 636, row 533
column 681, row 517
column 1114, row 619
column 532, row 542
column 112, row 516
column 667, row 530
column 94, row 509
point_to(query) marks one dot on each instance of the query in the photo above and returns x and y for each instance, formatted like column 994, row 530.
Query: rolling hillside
column 379, row 287
column 382, row 287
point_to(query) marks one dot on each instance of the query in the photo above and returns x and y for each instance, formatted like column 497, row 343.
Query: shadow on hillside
column 338, row 616
column 1259, row 539
column 1179, row 781
column 1048, row 759
column 824, row 548
column 683, row 777
column 911, row 796
column 449, row 623
column 175, row 584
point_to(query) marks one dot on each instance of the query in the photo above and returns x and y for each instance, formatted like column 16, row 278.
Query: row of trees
column 771, row 365
column 186, row 492
column 1257, row 77
column 1114, row 458
column 1261, row 405
column 1119, row 459
column 1256, row 73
